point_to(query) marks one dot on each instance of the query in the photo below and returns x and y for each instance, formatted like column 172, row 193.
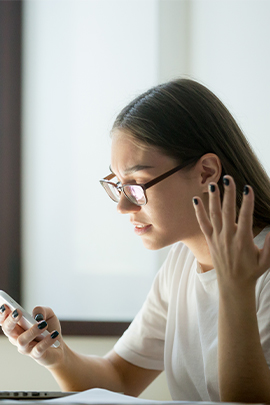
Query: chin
column 155, row 244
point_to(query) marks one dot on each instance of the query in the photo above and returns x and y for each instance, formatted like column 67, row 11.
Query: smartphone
column 26, row 320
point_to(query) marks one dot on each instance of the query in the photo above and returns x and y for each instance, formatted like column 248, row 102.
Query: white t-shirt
column 177, row 327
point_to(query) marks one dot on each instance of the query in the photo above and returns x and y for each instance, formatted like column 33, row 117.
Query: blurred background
column 67, row 67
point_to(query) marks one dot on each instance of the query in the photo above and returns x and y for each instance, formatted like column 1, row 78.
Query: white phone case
column 27, row 320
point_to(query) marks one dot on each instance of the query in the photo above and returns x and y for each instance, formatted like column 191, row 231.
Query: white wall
column 230, row 53
column 83, row 60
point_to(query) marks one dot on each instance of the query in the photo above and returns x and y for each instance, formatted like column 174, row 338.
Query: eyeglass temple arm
column 110, row 176
column 167, row 174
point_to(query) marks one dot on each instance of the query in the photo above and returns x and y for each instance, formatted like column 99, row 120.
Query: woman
column 176, row 154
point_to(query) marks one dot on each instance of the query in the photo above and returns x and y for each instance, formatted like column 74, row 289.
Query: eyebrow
column 135, row 168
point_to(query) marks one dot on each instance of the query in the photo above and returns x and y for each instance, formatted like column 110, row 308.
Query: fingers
column 231, row 242
column 214, row 221
column 215, row 207
column 31, row 342
column 202, row 217
column 37, row 342
column 245, row 220
column 40, row 313
column 4, row 312
column 32, row 333
column 40, row 349
column 224, row 218
column 26, row 340
column 228, row 204
column 10, row 321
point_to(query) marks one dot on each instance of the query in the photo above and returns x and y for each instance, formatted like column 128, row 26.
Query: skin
column 216, row 241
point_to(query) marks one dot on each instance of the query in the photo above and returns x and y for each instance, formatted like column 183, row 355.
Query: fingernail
column 226, row 181
column 2, row 309
column 246, row 190
column 54, row 334
column 39, row 317
column 15, row 314
column 212, row 187
column 42, row 325
column 195, row 201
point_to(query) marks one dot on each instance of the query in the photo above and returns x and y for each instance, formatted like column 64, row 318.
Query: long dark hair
column 186, row 120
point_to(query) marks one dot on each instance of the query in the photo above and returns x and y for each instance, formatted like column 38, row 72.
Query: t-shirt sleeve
column 143, row 342
column 263, row 301
column 263, row 314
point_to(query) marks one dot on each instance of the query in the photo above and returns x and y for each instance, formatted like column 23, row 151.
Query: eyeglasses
column 135, row 193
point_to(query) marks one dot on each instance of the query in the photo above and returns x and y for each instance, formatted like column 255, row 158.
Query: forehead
column 126, row 153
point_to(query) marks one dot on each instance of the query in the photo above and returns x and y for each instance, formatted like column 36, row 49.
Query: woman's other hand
column 237, row 260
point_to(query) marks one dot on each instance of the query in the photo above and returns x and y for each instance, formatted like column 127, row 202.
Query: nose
column 125, row 206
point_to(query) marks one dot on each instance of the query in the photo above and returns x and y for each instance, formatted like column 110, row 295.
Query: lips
column 141, row 229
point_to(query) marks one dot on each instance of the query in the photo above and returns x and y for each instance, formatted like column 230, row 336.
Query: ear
column 210, row 169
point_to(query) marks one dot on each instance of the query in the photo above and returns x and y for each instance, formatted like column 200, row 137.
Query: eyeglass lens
column 112, row 191
column 134, row 193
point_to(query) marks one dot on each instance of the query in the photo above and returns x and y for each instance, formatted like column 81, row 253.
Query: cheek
column 165, row 210
column 171, row 209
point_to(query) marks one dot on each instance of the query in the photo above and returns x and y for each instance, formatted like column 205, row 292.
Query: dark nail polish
column 2, row 309
column 196, row 202
column 246, row 190
column 226, row 181
column 212, row 187
column 42, row 325
column 15, row 313
column 39, row 317
column 54, row 334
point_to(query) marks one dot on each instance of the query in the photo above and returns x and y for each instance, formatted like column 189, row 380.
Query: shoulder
column 179, row 255
column 263, row 283
column 179, row 260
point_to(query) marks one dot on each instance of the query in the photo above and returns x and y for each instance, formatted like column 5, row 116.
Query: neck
column 200, row 249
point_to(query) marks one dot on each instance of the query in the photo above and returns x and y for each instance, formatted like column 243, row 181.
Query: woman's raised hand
column 41, row 351
column 237, row 260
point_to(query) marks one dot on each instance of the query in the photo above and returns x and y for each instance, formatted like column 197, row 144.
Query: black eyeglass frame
column 121, row 188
